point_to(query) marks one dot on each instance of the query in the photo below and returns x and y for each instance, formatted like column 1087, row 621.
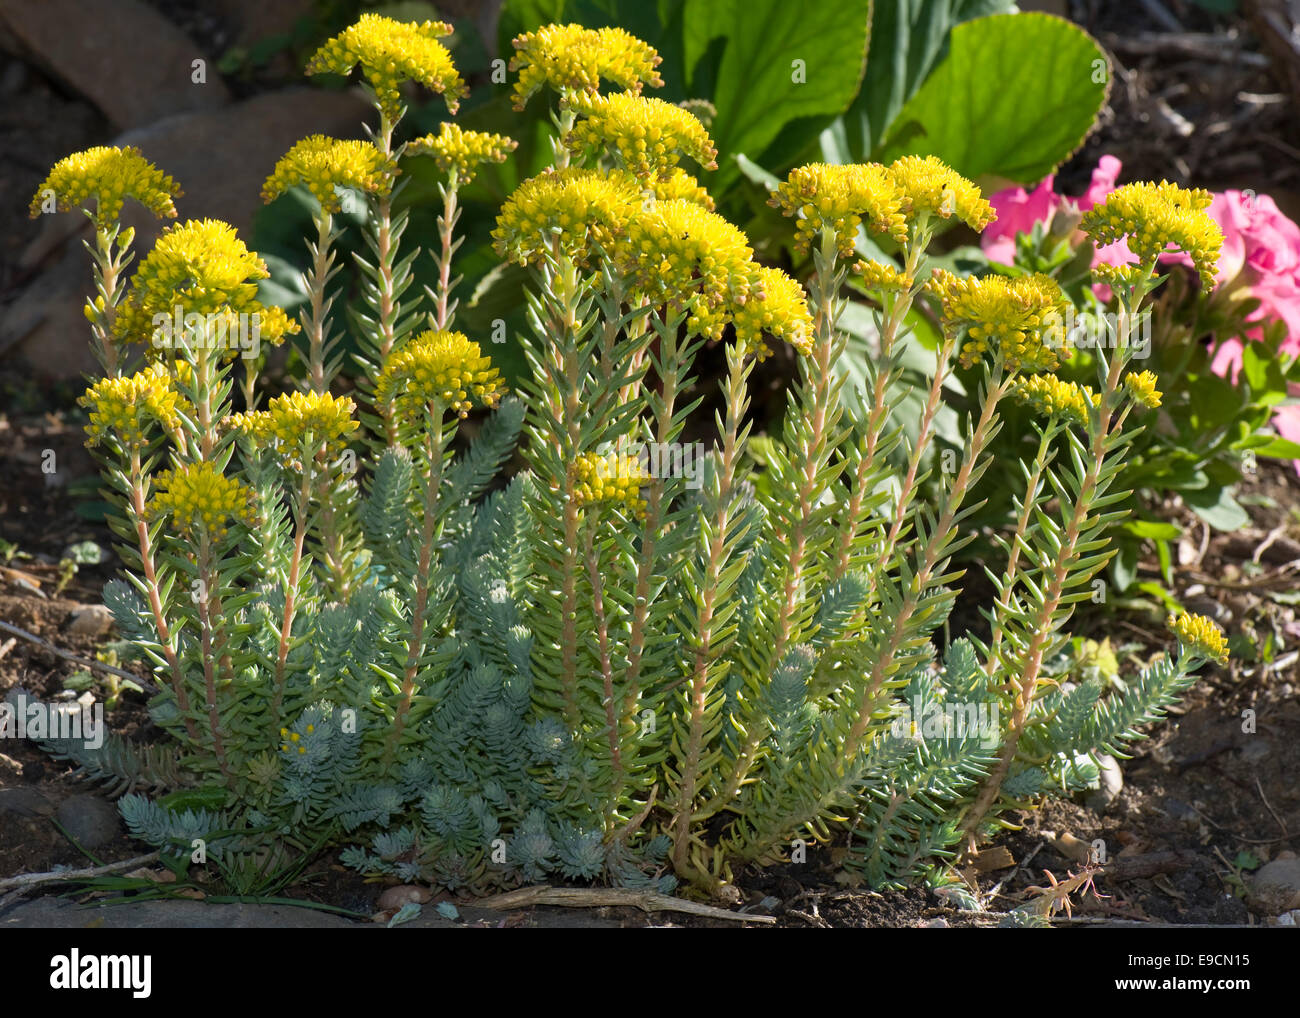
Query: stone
column 133, row 63
column 90, row 620
column 1112, row 783
column 92, row 821
column 395, row 897
column 1275, row 887
column 220, row 159
column 25, row 802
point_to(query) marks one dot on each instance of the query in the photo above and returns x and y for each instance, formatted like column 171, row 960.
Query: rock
column 937, row 924
column 1275, row 888
column 1180, row 811
column 1256, row 748
column 1112, row 783
column 92, row 620
column 220, row 158
column 90, row 820
column 25, row 802
column 135, row 65
column 404, row 894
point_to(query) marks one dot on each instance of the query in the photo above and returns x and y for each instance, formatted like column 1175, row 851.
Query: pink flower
column 1018, row 210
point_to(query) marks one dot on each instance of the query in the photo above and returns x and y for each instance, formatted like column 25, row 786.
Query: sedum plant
column 636, row 659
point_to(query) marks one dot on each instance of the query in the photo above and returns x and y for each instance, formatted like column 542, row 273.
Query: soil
column 1202, row 802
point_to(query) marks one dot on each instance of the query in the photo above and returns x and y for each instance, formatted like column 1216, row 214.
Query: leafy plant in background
column 617, row 666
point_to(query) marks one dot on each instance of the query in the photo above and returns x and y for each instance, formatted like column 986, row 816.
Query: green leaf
column 1279, row 448
column 779, row 62
column 1014, row 98
column 1218, row 508
column 907, row 39
column 1154, row 529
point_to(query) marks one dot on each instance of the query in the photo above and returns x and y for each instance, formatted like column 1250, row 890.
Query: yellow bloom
column 1052, row 397
column 391, row 52
column 676, row 249
column 1118, row 276
column 123, row 408
column 1009, row 314
column 289, row 420
column 573, row 59
column 1142, row 387
column 677, row 183
column 574, row 211
column 324, row 164
column 779, row 308
column 883, row 276
column 841, row 198
column 456, row 150
column 438, row 368
column 648, row 135
column 1156, row 218
column 611, row 478
column 931, row 187
column 109, row 175
column 1199, row 635
column 199, row 499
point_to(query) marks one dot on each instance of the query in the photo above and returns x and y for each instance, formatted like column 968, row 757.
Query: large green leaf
column 768, row 63
column 1014, row 98
column 907, row 39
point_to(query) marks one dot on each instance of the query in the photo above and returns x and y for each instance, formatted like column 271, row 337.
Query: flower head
column 883, row 276
column 109, row 175
column 1142, row 387
column 1199, row 635
column 199, row 499
column 932, row 187
column 841, row 198
column 440, row 368
column 201, row 273
column 1055, row 397
column 1156, row 219
column 577, row 211
column 325, row 164
column 459, row 151
column 648, row 135
column 125, row 408
column 778, row 308
column 677, row 249
column 1010, row 314
column 612, row 478
column 391, row 52
column 677, row 183
column 572, row 59
column 289, row 420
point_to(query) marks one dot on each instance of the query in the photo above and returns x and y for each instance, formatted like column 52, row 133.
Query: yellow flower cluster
column 778, row 308
column 198, row 267
column 1156, row 218
column 648, row 135
column 439, row 368
column 109, row 175
column 293, row 740
column 124, row 408
column 677, row 183
column 676, row 249
column 1119, row 276
column 929, row 185
column 324, row 164
column 391, row 52
column 1142, row 387
column 1200, row 635
column 1053, row 397
column 289, row 419
column 459, row 151
column 610, row 478
column 883, row 276
column 199, row 499
column 571, row 211
column 1002, row 313
column 840, row 198
column 572, row 59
